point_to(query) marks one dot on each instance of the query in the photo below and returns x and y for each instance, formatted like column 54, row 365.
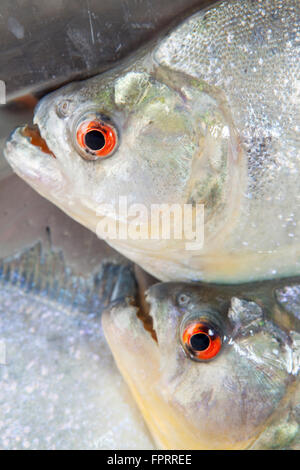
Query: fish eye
column 201, row 340
column 97, row 138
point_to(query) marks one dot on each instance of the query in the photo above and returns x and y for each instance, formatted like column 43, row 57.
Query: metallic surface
column 45, row 44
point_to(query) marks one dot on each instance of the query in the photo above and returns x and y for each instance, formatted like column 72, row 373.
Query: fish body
column 220, row 369
column 208, row 115
column 59, row 387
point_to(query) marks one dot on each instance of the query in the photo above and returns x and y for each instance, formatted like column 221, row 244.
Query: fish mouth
column 33, row 134
column 31, row 159
column 128, row 327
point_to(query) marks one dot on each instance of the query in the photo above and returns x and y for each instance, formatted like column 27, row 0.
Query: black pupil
column 199, row 342
column 95, row 140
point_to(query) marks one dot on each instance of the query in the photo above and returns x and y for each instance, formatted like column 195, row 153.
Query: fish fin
column 180, row 80
column 248, row 317
column 44, row 273
column 283, row 435
column 124, row 288
column 131, row 89
column 288, row 297
column 245, row 315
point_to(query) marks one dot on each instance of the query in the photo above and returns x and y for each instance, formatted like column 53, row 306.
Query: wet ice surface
column 60, row 388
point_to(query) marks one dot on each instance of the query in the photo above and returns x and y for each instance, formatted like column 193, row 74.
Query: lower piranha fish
column 207, row 115
column 218, row 368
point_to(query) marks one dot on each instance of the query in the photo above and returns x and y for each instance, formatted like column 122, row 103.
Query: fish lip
column 141, row 318
column 18, row 136
column 123, row 326
column 33, row 134
column 126, row 294
column 31, row 164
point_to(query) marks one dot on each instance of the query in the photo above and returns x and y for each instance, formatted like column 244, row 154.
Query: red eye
column 201, row 340
column 98, row 138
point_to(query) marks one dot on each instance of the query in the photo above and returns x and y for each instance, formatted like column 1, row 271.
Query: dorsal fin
column 43, row 272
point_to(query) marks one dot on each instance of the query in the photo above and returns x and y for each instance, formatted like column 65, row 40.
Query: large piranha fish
column 206, row 116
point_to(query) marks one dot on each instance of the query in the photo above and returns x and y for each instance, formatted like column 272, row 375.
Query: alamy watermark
column 2, row 92
column 2, row 352
column 2, row 342
column 159, row 222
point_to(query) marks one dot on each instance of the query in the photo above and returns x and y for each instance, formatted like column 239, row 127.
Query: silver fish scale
column 60, row 388
column 250, row 50
column 57, row 368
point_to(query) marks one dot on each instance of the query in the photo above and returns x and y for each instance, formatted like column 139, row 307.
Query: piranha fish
column 60, row 388
column 217, row 366
column 208, row 115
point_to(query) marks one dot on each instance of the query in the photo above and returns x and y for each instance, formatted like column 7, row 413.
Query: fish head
column 133, row 132
column 217, row 373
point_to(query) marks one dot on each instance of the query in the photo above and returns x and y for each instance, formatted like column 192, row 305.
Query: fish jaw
column 36, row 166
column 137, row 358
column 39, row 168
column 27, row 159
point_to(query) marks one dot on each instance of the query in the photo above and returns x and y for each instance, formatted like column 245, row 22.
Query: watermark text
column 2, row 352
column 159, row 222
column 2, row 92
